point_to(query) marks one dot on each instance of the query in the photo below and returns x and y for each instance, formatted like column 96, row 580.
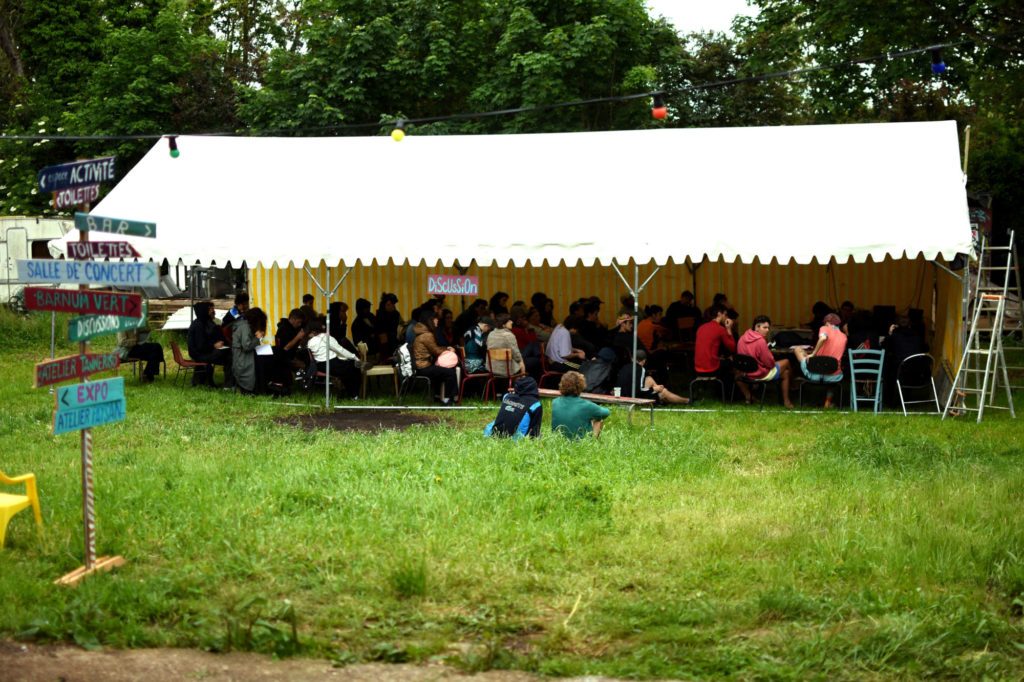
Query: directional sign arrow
column 114, row 273
column 54, row 178
column 73, row 367
column 89, row 393
column 88, row 302
column 90, row 326
column 88, row 222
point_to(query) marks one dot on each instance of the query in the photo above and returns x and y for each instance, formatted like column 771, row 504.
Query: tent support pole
column 940, row 265
column 634, row 291
column 327, row 303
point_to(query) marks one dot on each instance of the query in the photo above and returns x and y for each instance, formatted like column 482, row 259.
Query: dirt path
column 62, row 663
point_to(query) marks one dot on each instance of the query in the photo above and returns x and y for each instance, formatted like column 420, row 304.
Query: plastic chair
column 915, row 373
column 497, row 357
column 866, row 370
column 544, row 371
column 12, row 504
column 184, row 365
column 466, row 376
column 824, row 365
column 748, row 364
column 375, row 371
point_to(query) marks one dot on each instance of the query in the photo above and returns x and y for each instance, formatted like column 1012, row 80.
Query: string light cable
column 657, row 97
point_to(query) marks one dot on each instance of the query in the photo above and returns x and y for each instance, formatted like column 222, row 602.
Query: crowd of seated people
column 608, row 357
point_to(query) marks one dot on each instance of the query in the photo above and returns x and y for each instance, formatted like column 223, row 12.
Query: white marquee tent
column 805, row 192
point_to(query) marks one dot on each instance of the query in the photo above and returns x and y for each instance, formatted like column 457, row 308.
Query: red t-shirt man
column 712, row 336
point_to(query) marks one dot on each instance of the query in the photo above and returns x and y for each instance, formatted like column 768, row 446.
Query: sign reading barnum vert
column 89, row 302
column 453, row 284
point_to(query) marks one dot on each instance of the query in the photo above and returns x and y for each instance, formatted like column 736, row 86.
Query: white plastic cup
column 617, row 391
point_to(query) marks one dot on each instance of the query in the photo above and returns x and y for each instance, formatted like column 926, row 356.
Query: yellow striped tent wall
column 784, row 292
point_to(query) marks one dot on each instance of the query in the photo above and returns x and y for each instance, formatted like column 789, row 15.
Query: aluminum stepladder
column 1013, row 320
column 976, row 382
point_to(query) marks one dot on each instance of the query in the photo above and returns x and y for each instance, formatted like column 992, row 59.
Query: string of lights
column 659, row 110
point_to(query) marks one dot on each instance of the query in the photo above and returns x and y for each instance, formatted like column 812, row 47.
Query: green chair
column 866, row 374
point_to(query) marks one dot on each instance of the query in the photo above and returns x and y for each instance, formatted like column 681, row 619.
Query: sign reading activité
column 54, row 178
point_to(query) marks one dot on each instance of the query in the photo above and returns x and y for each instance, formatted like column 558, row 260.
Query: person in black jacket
column 521, row 412
column 468, row 317
column 362, row 327
column 387, row 322
column 206, row 344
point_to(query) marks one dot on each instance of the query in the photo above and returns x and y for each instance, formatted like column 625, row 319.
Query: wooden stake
column 104, row 563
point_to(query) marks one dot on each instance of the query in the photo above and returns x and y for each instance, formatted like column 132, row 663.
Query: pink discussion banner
column 455, row 285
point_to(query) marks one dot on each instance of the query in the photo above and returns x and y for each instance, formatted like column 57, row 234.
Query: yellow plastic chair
column 12, row 504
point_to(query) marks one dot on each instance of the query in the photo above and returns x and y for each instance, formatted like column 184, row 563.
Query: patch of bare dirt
column 64, row 663
column 361, row 420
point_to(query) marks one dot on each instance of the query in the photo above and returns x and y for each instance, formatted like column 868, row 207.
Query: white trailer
column 22, row 238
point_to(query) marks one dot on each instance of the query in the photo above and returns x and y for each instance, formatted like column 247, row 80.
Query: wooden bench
column 609, row 400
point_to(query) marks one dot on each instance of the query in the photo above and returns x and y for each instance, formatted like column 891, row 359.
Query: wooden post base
column 104, row 563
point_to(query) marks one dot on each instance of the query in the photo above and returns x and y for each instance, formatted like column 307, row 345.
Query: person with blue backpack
column 520, row 413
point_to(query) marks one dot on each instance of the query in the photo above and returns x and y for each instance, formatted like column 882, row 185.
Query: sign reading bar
column 88, row 302
column 75, row 196
column 88, row 416
column 114, row 273
column 453, row 284
column 87, row 222
column 54, row 178
column 90, row 250
column 73, row 367
column 90, row 326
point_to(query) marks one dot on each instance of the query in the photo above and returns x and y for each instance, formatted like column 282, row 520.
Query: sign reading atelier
column 75, row 196
column 71, row 367
column 114, row 273
column 87, row 222
column 89, row 302
column 55, row 178
column 90, row 250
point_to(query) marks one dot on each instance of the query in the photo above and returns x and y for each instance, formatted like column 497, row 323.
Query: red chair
column 545, row 372
column 466, row 376
column 495, row 357
column 184, row 365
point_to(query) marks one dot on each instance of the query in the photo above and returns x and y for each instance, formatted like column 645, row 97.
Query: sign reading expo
column 453, row 284
column 83, row 406
column 88, row 302
column 87, row 222
column 114, row 273
column 56, row 178
column 71, row 367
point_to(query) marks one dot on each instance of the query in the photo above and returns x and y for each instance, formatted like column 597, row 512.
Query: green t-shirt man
column 571, row 416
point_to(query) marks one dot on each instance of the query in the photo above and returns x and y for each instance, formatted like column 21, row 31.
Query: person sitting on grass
column 646, row 386
column 832, row 344
column 521, row 412
column 345, row 365
column 572, row 416
column 754, row 343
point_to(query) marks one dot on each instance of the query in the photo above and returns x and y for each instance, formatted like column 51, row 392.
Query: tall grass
column 714, row 545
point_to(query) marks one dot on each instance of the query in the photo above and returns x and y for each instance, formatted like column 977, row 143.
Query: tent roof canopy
column 802, row 192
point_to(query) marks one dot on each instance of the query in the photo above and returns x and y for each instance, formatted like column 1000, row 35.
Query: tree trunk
column 7, row 43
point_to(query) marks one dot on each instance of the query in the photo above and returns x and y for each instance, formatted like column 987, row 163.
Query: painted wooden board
column 58, row 370
column 112, row 273
column 89, row 302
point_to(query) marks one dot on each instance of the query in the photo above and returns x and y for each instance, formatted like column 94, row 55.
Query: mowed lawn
column 722, row 545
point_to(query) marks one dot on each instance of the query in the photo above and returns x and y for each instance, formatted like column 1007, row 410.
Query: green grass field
column 719, row 545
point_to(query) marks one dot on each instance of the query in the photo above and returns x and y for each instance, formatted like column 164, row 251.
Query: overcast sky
column 700, row 15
